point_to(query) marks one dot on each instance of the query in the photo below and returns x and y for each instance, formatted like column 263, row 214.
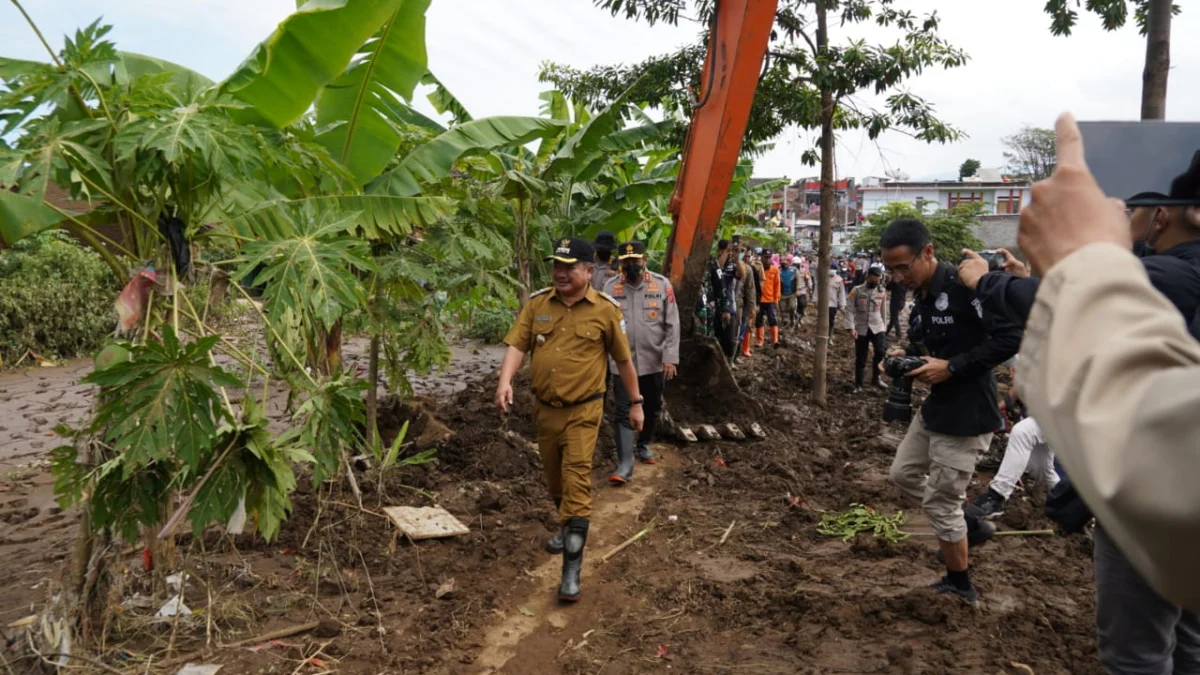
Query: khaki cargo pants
column 935, row 470
column 566, row 441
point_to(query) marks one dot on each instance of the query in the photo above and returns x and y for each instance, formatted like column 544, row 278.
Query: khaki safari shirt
column 867, row 308
column 651, row 321
column 1113, row 377
column 569, row 344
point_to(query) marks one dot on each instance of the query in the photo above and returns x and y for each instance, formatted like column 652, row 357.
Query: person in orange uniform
column 768, row 301
column 571, row 329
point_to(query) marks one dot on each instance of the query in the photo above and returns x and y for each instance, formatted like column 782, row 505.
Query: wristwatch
column 637, row 401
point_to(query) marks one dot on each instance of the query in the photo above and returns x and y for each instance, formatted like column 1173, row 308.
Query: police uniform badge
column 942, row 302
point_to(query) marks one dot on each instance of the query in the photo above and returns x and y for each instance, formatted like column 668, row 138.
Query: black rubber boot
column 624, row 438
column 555, row 543
column 574, row 539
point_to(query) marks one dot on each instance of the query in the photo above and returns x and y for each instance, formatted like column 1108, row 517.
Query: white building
column 999, row 197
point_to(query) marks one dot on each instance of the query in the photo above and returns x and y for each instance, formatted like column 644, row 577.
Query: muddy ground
column 731, row 578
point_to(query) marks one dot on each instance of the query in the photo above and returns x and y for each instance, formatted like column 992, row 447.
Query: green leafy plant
column 952, row 229
column 859, row 518
column 56, row 298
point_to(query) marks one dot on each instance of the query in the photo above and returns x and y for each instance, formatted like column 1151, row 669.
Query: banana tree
column 555, row 190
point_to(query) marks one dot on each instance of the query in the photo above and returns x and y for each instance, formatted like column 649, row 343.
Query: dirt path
column 530, row 640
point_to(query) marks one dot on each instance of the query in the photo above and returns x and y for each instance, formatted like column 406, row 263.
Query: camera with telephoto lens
column 995, row 260
column 898, row 407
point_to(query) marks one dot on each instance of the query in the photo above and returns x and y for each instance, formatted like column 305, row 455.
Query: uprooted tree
column 807, row 82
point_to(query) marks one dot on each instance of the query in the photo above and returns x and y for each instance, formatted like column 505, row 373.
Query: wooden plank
column 425, row 522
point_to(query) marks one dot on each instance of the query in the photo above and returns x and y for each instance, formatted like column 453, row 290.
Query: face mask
column 633, row 272
column 1145, row 247
column 872, row 284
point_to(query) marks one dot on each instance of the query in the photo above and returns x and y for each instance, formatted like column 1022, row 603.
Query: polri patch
column 542, row 318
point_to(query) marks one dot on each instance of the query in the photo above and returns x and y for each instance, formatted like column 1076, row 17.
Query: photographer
column 1137, row 629
column 960, row 345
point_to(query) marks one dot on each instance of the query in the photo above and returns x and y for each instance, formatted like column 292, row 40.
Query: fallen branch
column 727, row 531
column 265, row 637
column 625, row 544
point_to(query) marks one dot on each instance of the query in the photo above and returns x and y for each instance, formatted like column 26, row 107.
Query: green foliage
column 329, row 420
column 171, row 385
column 56, row 298
column 859, row 518
column 1113, row 14
column 170, row 441
column 307, row 51
column 788, row 91
column 968, row 168
column 490, row 322
column 1031, row 152
column 952, row 229
column 310, row 271
column 359, row 109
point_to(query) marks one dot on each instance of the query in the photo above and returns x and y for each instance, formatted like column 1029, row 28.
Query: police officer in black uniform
column 961, row 344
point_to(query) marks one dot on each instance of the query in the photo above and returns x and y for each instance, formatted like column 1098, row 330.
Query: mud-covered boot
column 574, row 539
column 645, row 455
column 623, row 436
column 555, row 543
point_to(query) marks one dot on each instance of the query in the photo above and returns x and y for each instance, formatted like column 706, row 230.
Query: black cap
column 874, row 271
column 1187, row 184
column 605, row 241
column 571, row 250
column 631, row 249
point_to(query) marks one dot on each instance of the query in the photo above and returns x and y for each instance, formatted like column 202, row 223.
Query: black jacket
column 899, row 295
column 1175, row 273
column 949, row 322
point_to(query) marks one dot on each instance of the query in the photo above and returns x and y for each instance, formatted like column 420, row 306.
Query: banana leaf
column 21, row 216
column 432, row 161
column 389, row 64
column 308, row 50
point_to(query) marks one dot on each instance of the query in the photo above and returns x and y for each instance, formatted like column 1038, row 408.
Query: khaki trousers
column 566, row 441
column 935, row 470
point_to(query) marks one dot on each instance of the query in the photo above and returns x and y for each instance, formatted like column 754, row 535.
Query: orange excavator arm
column 742, row 29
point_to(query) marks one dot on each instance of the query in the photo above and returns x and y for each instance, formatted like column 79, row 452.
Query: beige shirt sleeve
column 1109, row 370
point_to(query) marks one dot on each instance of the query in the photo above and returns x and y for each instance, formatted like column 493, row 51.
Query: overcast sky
column 487, row 52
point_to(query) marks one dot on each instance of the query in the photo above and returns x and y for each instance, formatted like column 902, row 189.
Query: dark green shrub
column 490, row 323
column 56, row 298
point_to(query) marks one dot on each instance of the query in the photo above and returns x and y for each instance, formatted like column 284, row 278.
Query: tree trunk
column 1158, row 60
column 821, row 277
column 372, row 389
column 521, row 251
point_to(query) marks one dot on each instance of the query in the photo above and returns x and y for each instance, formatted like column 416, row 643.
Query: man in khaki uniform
column 866, row 312
column 652, row 324
column 1110, row 371
column 571, row 331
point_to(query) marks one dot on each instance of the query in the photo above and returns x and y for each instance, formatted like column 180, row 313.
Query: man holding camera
column 959, row 344
column 1138, row 630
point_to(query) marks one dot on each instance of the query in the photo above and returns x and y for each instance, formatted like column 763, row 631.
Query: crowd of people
column 1107, row 368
